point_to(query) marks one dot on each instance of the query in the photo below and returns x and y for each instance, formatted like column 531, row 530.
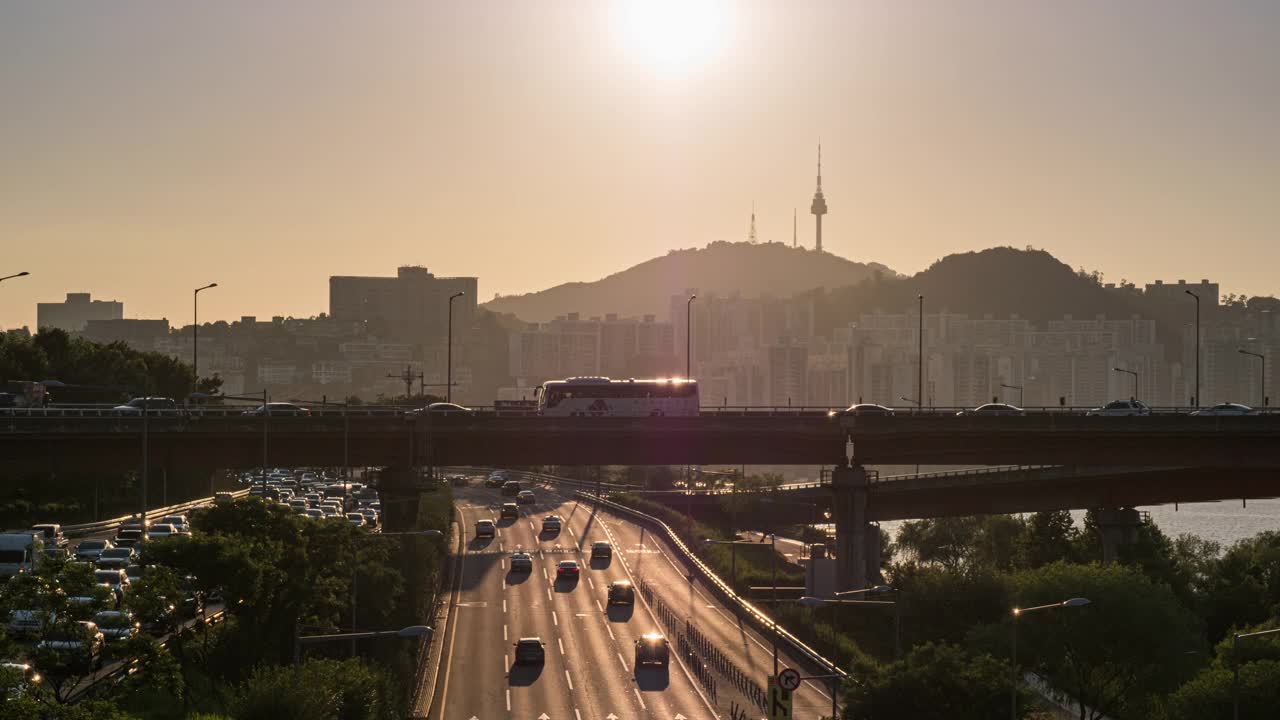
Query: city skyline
column 466, row 143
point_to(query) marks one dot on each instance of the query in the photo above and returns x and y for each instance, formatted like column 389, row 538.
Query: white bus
column 602, row 397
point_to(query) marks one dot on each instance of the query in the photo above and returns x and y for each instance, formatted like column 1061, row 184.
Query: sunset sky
column 147, row 148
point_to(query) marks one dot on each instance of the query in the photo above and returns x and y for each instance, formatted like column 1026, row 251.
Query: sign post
column 779, row 700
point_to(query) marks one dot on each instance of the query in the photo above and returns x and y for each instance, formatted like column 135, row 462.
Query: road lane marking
column 548, row 594
column 637, row 692
column 504, row 632
column 561, row 644
column 504, row 604
column 569, row 679
column 544, row 573
column 592, row 584
column 508, row 696
column 576, row 715
column 503, row 563
column 611, row 637
column 624, row 662
column 555, row 620
column 598, row 605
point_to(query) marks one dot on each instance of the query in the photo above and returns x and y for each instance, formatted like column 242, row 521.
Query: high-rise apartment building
column 411, row 307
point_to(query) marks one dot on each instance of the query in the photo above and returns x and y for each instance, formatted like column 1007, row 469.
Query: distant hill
column 721, row 268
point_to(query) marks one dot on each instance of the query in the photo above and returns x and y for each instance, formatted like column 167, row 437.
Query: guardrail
column 82, row 529
column 753, row 614
column 543, row 477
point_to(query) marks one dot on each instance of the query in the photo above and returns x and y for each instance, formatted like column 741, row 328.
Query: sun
column 671, row 35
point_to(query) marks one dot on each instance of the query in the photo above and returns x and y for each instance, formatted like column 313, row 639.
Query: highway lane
column 649, row 557
column 589, row 671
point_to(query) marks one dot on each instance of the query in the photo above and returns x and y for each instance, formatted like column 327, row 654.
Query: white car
column 1121, row 408
column 314, row 513
column 81, row 639
column 1224, row 410
column 356, row 519
column 179, row 522
column 161, row 530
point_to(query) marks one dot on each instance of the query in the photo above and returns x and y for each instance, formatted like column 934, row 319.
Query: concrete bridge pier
column 398, row 489
column 857, row 540
column 1118, row 527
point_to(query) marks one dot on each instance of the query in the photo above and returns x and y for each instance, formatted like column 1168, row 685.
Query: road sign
column 789, row 679
column 778, row 701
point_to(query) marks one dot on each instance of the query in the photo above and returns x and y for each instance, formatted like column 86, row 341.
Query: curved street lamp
column 448, row 388
column 195, row 332
column 1013, row 661
column 24, row 273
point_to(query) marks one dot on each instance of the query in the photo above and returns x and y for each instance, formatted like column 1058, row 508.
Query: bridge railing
column 82, row 529
column 744, row 609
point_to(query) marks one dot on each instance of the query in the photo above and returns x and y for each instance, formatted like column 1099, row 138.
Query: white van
column 18, row 551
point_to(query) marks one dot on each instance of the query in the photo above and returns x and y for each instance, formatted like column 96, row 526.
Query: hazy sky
column 147, row 148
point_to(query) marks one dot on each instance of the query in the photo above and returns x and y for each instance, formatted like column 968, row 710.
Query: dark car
column 279, row 409
column 509, row 511
column 150, row 404
column 128, row 538
column 526, row 497
column 567, row 570
column 622, row 592
column 530, row 651
column 601, row 550
column 994, row 409
column 441, row 408
column 511, row 488
column 863, row 409
column 485, row 529
column 652, row 649
column 493, row 482
column 521, row 562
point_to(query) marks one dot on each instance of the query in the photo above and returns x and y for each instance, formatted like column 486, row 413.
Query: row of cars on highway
column 650, row 649
column 1118, row 408
column 317, row 496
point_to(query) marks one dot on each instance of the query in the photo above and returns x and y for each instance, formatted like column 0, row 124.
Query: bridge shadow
column 620, row 613
column 548, row 535
column 523, row 675
column 652, row 679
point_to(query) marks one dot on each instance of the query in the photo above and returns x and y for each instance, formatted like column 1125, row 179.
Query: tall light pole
column 1235, row 668
column 773, row 564
column 688, row 337
column 448, row 391
column 1195, row 399
column 24, row 273
column 1134, row 373
column 195, row 333
column 1262, row 372
column 1014, row 387
column 920, row 359
column 1013, row 660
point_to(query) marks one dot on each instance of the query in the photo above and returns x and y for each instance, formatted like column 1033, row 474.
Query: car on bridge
column 1121, row 408
column 1224, row 410
column 862, row 409
column 279, row 409
column 440, row 408
column 521, row 562
column 601, row 549
column 994, row 409
column 652, row 649
column 551, row 524
column 486, row 529
column 150, row 404
column 567, row 570
column 530, row 651
column 621, row 592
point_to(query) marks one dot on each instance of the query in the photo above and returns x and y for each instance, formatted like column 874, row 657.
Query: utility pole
column 1195, row 399
column 407, row 377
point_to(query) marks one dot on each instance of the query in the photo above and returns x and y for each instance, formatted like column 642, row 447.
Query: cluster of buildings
column 382, row 334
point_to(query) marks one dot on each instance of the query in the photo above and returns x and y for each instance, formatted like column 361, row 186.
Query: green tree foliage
column 958, row 543
column 95, row 371
column 1131, row 643
column 1049, row 537
column 1241, row 588
column 1208, row 695
column 320, row 690
column 933, row 682
column 945, row 606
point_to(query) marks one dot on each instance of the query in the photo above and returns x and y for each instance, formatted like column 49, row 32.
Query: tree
column 1102, row 654
column 1243, row 587
column 320, row 690
column 1208, row 695
column 1048, row 538
column 932, row 681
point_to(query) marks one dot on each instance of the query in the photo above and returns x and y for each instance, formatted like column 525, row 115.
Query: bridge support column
column 398, row 491
column 857, row 540
column 1118, row 527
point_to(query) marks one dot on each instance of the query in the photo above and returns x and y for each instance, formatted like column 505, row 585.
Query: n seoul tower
column 819, row 206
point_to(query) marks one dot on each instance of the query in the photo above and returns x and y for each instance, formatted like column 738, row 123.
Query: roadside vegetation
column 277, row 574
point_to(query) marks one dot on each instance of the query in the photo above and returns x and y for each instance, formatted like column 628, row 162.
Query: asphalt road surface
column 589, row 671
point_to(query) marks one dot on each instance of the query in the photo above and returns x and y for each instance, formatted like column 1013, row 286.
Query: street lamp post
column 688, row 337
column 920, row 358
column 195, row 333
column 412, row 631
column 448, row 392
column 355, row 563
column 1014, row 387
column 1235, row 667
column 1262, row 371
column 814, row 602
column 1013, row 659
column 1195, row 399
column 773, row 565
column 1134, row 373
column 24, row 273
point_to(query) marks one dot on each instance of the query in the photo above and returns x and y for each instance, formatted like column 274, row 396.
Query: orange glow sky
column 147, row 148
